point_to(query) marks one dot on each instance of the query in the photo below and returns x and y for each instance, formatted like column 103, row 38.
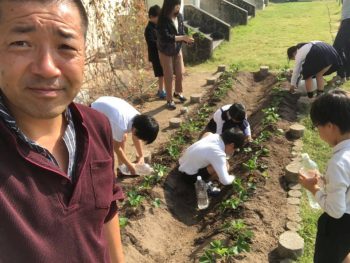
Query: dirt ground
column 177, row 232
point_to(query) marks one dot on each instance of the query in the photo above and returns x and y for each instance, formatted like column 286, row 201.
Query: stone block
column 175, row 122
column 264, row 71
column 292, row 172
column 294, row 193
column 290, row 245
column 293, row 201
column 296, row 131
column 211, row 81
column 195, row 98
column 221, row 68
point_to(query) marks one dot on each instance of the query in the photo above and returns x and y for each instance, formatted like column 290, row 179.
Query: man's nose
column 46, row 64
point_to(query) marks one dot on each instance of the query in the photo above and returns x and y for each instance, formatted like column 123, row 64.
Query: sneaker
column 161, row 94
column 212, row 189
column 180, row 97
column 171, row 105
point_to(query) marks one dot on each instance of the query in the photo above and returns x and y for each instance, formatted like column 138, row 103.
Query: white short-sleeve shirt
column 334, row 199
column 210, row 150
column 119, row 113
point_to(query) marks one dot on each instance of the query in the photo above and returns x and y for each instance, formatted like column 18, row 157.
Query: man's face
column 42, row 57
column 229, row 149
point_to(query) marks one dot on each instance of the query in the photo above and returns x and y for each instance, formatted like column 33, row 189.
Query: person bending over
column 208, row 157
column 313, row 60
column 125, row 119
column 230, row 116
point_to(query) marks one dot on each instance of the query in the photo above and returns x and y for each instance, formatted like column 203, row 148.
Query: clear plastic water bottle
column 309, row 169
column 202, row 194
column 140, row 169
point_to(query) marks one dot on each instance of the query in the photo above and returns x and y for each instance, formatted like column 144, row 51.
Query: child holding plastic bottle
column 330, row 113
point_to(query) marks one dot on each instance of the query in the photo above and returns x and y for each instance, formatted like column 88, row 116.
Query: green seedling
column 237, row 228
column 271, row 116
column 134, row 199
column 265, row 174
column 252, row 164
column 156, row 202
column 174, row 151
column 123, row 221
column 230, row 204
column 160, row 170
column 247, row 150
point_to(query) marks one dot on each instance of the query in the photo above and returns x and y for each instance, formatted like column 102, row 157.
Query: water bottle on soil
column 309, row 169
column 141, row 169
column 202, row 194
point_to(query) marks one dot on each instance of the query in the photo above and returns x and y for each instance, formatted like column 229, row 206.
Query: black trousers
column 333, row 239
column 342, row 45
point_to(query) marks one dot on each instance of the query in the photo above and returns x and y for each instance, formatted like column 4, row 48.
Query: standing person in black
column 153, row 57
column 342, row 41
column 170, row 35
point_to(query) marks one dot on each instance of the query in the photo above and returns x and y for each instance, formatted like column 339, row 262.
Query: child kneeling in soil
column 330, row 113
column 230, row 116
column 208, row 157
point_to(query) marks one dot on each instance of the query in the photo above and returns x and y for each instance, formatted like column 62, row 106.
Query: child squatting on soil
column 208, row 157
column 230, row 116
column 151, row 40
column 313, row 60
column 330, row 113
column 125, row 119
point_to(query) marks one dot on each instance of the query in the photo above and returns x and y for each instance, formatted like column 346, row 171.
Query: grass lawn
column 264, row 42
column 267, row 36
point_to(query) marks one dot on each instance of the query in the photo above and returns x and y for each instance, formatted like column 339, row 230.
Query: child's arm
column 332, row 198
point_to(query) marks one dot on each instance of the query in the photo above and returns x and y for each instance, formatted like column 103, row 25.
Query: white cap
column 199, row 178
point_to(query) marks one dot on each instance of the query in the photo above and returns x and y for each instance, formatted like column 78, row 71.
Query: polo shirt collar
column 342, row 146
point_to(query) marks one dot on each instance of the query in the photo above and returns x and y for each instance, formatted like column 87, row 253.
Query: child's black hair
column 146, row 127
column 237, row 112
column 332, row 107
column 154, row 11
column 293, row 49
column 233, row 136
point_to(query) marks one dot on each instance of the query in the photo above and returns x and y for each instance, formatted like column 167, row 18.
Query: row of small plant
column 186, row 135
column 240, row 237
column 237, row 240
column 195, row 124
column 135, row 196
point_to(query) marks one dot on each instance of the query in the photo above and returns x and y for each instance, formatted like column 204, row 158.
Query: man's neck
column 40, row 130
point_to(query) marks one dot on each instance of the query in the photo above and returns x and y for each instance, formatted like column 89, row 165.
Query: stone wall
column 245, row 5
column 226, row 11
column 206, row 23
column 259, row 4
column 201, row 50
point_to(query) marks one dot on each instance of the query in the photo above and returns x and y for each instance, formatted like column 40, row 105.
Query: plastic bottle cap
column 199, row 178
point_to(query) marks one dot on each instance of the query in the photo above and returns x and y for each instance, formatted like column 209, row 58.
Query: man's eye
column 67, row 47
column 20, row 44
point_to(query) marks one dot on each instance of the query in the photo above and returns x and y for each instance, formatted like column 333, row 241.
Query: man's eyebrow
column 65, row 34
column 22, row 29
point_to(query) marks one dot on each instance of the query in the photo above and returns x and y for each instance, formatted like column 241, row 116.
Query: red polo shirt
column 43, row 216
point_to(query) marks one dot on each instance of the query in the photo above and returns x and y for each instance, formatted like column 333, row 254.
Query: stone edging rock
column 290, row 243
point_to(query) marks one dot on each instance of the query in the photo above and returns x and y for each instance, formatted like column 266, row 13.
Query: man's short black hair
column 77, row 3
column 146, row 128
column 237, row 112
column 234, row 136
column 154, row 11
column 332, row 107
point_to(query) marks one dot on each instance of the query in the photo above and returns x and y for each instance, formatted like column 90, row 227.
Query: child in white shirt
column 330, row 113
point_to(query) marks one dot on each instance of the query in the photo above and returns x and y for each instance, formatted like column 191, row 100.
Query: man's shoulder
column 91, row 117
